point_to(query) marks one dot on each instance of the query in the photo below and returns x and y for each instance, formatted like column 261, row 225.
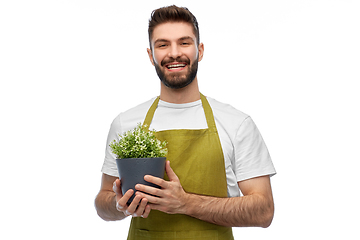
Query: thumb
column 171, row 174
column 117, row 186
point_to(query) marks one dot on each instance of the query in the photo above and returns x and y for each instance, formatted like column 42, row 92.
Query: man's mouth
column 175, row 66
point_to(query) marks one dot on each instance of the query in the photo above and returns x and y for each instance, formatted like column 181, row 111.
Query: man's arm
column 105, row 202
column 255, row 208
column 111, row 205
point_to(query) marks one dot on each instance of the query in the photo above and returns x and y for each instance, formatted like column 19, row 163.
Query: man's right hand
column 135, row 209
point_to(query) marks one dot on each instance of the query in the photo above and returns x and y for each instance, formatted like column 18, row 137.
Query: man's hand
column 171, row 198
column 135, row 209
column 255, row 208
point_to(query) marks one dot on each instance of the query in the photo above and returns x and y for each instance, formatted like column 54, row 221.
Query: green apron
column 197, row 159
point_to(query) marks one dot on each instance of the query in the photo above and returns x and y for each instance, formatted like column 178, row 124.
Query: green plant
column 139, row 143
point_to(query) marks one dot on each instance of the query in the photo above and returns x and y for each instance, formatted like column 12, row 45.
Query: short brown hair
column 173, row 14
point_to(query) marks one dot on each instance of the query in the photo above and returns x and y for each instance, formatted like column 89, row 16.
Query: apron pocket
column 186, row 235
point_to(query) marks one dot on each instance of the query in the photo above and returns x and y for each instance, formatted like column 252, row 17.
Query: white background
column 67, row 68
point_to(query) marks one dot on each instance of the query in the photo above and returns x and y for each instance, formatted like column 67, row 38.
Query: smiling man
column 176, row 48
column 218, row 173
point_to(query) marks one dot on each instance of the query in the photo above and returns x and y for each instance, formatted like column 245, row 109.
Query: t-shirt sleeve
column 109, row 166
column 252, row 158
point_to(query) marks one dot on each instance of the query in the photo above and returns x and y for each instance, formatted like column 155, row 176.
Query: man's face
column 175, row 54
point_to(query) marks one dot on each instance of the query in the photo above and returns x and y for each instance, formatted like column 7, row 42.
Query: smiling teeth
column 176, row 66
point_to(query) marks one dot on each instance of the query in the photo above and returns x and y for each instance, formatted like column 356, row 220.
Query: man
column 215, row 152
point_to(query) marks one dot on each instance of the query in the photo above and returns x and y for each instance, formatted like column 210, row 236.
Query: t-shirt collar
column 179, row 106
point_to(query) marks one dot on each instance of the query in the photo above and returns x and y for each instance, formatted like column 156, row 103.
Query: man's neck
column 187, row 94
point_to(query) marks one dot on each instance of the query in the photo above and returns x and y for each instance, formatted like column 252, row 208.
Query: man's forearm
column 248, row 211
column 105, row 204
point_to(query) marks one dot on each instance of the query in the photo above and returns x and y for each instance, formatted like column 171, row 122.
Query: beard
column 177, row 80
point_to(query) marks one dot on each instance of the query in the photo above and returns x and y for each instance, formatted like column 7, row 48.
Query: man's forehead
column 173, row 31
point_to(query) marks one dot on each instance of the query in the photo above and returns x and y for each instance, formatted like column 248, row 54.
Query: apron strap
column 207, row 109
column 208, row 113
column 150, row 114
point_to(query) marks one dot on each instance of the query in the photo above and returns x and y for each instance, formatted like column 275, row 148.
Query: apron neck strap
column 207, row 109
column 208, row 113
column 150, row 114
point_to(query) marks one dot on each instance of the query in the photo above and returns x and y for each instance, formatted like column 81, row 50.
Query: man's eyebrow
column 160, row 40
column 180, row 39
column 186, row 38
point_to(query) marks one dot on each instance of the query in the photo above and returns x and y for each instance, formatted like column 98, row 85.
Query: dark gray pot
column 133, row 170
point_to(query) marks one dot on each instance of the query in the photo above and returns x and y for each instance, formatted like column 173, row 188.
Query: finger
column 135, row 202
column 121, row 204
column 116, row 186
column 148, row 190
column 151, row 199
column 120, row 208
column 146, row 212
column 155, row 180
column 141, row 208
column 154, row 206
column 171, row 174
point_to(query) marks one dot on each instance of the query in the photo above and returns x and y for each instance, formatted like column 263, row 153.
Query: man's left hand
column 171, row 198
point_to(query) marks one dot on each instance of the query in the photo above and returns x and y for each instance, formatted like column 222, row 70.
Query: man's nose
column 174, row 52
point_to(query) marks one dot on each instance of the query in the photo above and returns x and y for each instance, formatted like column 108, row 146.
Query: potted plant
column 139, row 153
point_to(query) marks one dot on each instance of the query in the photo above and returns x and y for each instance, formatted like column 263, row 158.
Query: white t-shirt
column 245, row 153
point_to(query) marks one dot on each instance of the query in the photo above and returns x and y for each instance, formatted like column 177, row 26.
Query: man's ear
column 150, row 56
column 201, row 51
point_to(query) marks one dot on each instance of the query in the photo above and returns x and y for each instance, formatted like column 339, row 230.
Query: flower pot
column 133, row 170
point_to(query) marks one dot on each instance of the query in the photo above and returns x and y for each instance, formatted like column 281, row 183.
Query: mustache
column 178, row 59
